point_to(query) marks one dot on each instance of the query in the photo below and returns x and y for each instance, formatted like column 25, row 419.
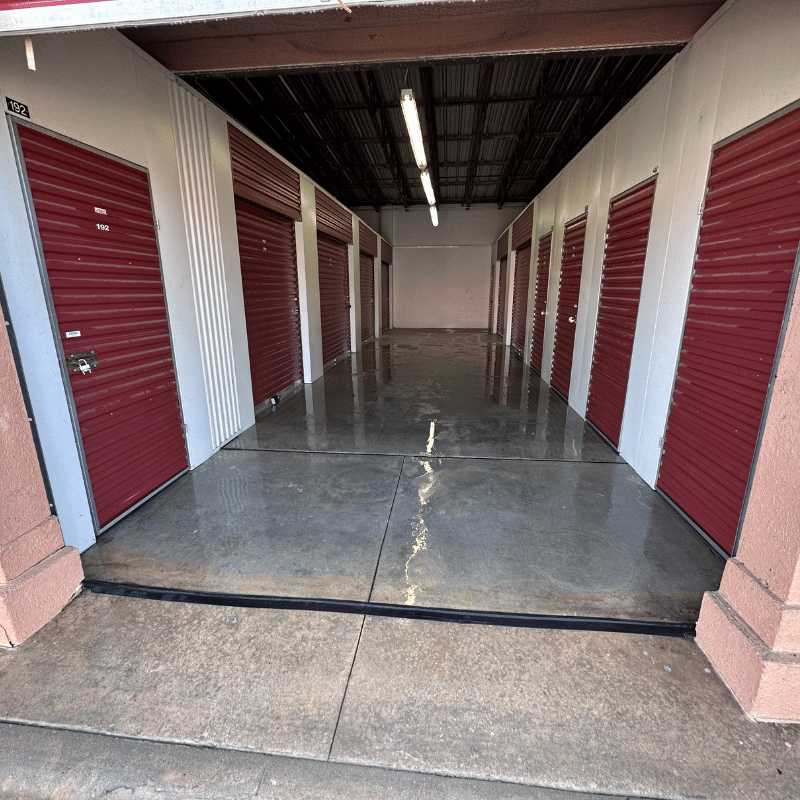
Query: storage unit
column 743, row 272
column 267, row 197
column 270, row 287
column 621, row 284
column 496, row 292
column 368, row 248
column 492, row 272
column 95, row 223
column 386, row 260
column 540, row 300
column 334, row 233
column 519, row 305
column 569, row 286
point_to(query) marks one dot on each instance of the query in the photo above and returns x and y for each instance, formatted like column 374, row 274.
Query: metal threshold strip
column 461, row 616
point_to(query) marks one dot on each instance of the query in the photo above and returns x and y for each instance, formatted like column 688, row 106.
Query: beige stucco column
column 750, row 628
column 38, row 575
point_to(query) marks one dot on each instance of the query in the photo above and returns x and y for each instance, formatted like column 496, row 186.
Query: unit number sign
column 17, row 107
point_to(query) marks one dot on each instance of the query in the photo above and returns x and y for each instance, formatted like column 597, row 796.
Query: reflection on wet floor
column 432, row 470
column 485, row 402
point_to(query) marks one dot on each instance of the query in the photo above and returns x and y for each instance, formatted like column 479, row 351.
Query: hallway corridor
column 431, row 470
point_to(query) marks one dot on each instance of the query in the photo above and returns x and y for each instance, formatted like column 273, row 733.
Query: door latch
column 82, row 362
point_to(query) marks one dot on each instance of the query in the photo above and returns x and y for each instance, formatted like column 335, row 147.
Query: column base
column 765, row 683
column 30, row 601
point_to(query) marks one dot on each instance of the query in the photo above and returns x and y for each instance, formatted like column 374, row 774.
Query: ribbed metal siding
column 749, row 238
column 334, row 297
column 367, row 240
column 519, row 305
column 385, row 321
column 333, row 219
column 199, row 195
column 502, row 246
column 269, row 284
column 540, row 300
column 502, row 288
column 261, row 177
column 107, row 285
column 620, row 288
column 569, row 287
column 522, row 230
column 367, row 284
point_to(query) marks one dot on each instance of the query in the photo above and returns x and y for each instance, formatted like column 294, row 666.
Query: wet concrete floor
column 431, row 470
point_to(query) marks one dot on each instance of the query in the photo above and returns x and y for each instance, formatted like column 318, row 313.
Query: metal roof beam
column 477, row 133
column 429, row 104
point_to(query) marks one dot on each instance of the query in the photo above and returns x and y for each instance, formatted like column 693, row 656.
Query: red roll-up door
column 502, row 288
column 540, row 300
column 491, row 298
column 385, row 296
column 367, row 282
column 519, row 305
column 620, row 288
column 269, row 283
column 749, row 237
column 569, row 287
column 334, row 297
column 95, row 221
column 332, row 219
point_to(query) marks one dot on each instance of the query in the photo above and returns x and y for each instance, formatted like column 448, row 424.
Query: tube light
column 428, row 187
column 409, row 106
column 434, row 216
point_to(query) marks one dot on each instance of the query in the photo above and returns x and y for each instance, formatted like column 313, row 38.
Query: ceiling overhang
column 393, row 31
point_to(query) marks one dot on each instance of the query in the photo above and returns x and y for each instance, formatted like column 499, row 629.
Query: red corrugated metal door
column 334, row 297
column 620, row 288
column 269, row 283
column 491, row 298
column 540, row 300
column 386, row 306
column 502, row 288
column 743, row 272
column 519, row 303
column 367, row 269
column 569, row 287
column 95, row 221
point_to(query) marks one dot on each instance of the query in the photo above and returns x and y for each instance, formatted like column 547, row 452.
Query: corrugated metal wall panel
column 96, row 226
column 334, row 297
column 569, row 287
column 386, row 251
column 199, row 195
column 333, row 219
column 367, row 284
column 385, row 319
column 269, row 283
column 502, row 246
column 623, row 267
column 540, row 300
column 519, row 305
column 522, row 230
column 261, row 177
column 367, row 240
column 749, row 237
column 502, row 289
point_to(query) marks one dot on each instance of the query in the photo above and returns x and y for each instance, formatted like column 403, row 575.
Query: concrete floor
column 122, row 697
column 433, row 470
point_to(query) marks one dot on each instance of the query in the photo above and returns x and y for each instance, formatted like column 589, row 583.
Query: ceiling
column 508, row 90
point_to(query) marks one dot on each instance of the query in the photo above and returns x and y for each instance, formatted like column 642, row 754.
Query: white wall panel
column 640, row 126
column 441, row 287
column 308, row 282
column 198, row 190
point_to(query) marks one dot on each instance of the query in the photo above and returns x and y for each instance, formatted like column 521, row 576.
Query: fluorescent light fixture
column 409, row 106
column 434, row 216
column 425, row 177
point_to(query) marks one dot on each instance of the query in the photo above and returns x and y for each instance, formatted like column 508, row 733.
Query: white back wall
column 440, row 276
